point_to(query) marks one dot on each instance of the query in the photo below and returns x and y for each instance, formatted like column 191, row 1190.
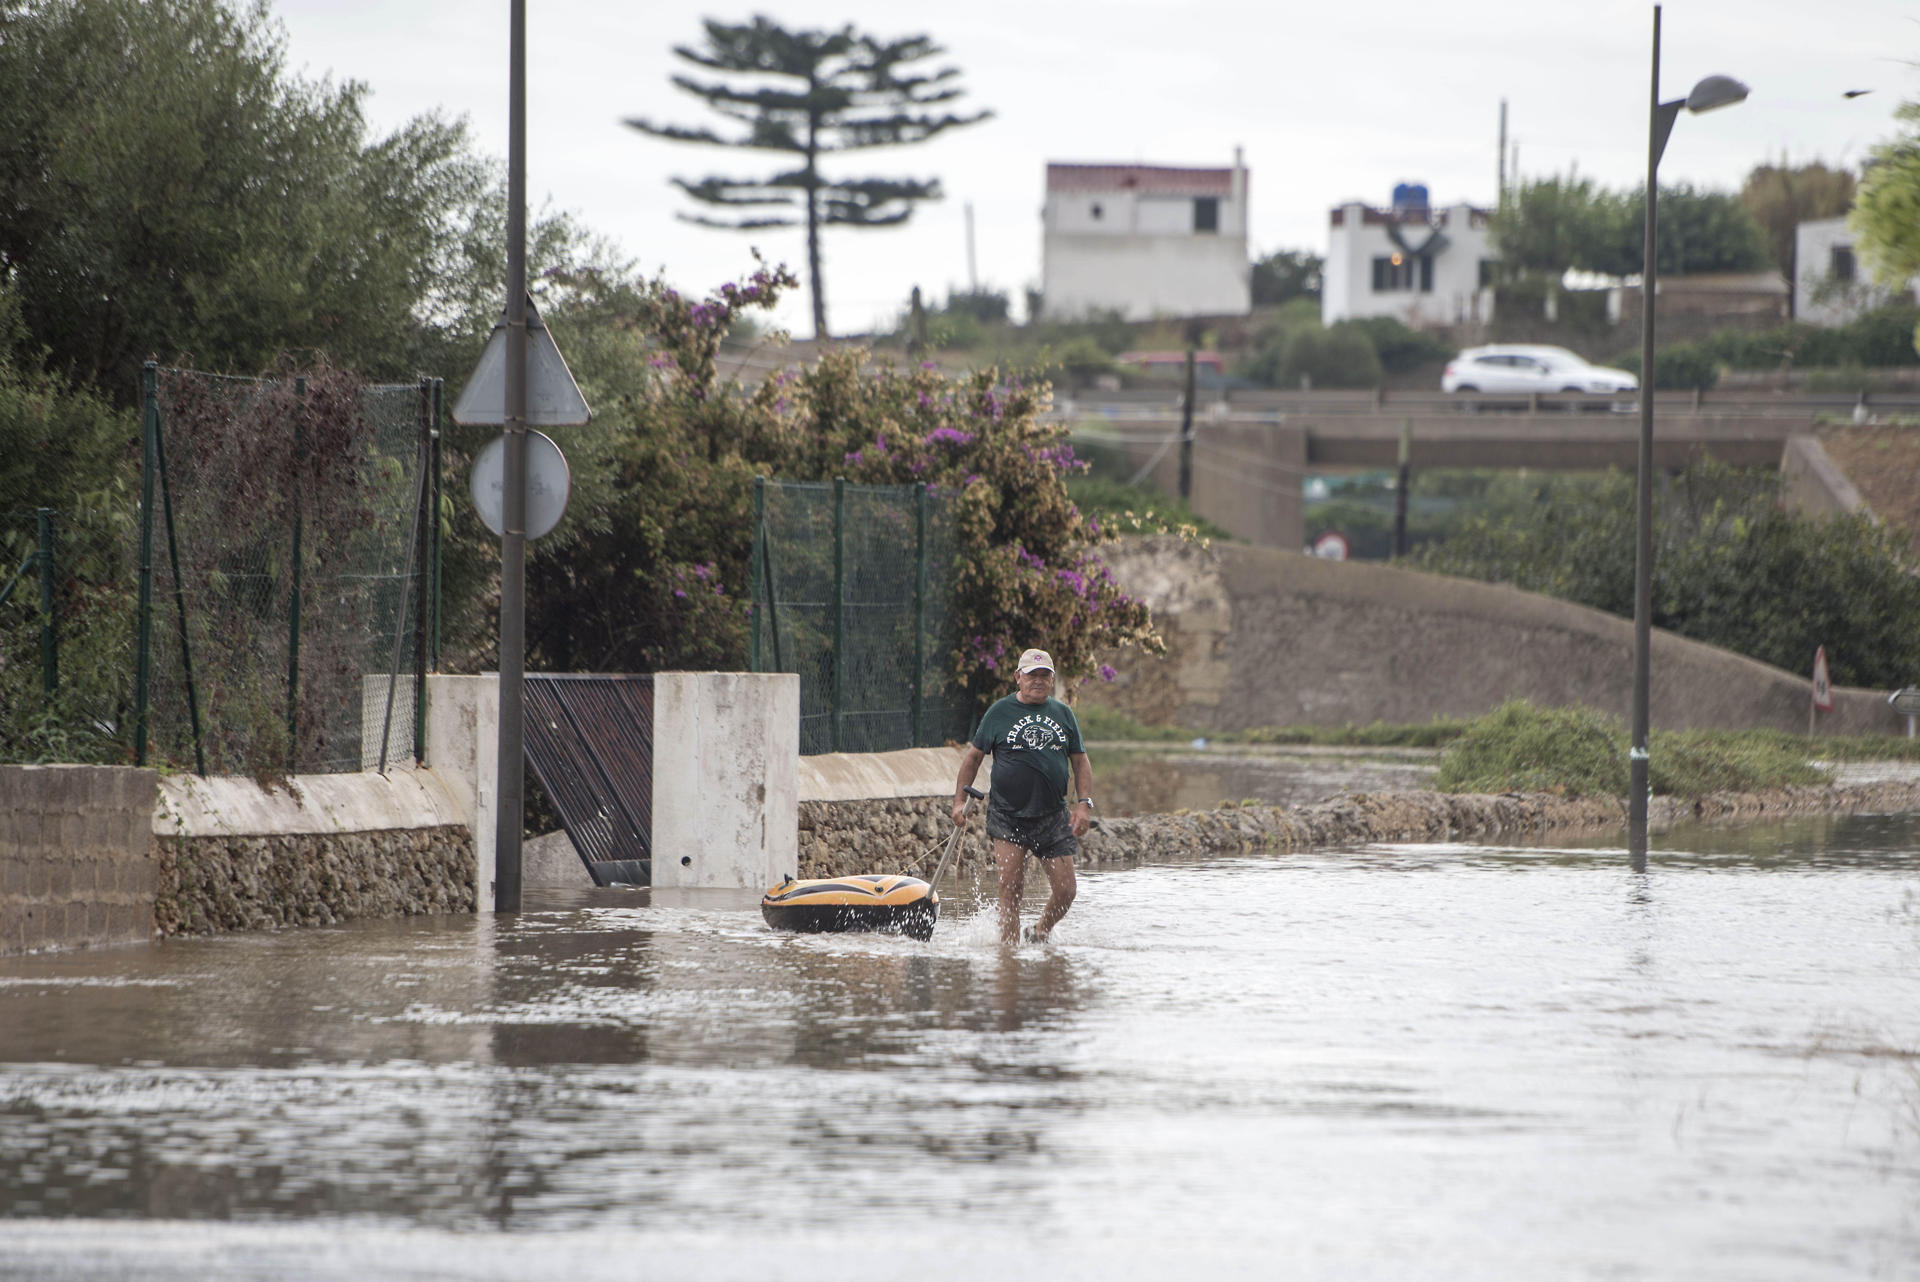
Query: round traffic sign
column 548, row 484
column 1331, row 546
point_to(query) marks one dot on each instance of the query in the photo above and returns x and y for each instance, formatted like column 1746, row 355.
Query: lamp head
column 1714, row 92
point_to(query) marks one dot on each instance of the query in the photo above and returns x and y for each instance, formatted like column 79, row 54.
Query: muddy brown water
column 1390, row 1062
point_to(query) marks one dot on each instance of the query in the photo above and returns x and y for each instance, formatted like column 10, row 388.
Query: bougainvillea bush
column 659, row 579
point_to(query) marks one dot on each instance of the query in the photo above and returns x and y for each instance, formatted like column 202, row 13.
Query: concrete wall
column 1813, row 483
column 76, row 859
column 463, row 750
column 725, row 778
column 317, row 849
column 1262, row 637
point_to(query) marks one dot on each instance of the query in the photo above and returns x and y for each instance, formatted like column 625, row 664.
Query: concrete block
column 39, row 873
column 13, row 876
column 60, row 880
column 725, row 778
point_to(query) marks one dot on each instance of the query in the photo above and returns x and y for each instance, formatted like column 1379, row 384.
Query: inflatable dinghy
column 895, row 904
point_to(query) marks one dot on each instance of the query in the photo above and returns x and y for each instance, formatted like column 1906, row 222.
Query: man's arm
column 1082, row 787
column 969, row 768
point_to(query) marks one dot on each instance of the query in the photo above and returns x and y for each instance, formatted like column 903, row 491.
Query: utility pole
column 1500, row 187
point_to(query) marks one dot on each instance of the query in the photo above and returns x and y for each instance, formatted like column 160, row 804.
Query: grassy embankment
column 1571, row 752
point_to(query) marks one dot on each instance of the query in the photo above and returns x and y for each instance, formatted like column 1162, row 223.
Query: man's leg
column 1063, row 884
column 1012, row 863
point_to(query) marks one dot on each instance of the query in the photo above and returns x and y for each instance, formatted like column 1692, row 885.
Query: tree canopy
column 172, row 191
column 809, row 94
column 1781, row 197
column 1886, row 212
column 1552, row 225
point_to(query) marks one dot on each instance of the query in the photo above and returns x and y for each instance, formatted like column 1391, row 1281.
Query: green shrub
column 1522, row 748
column 1734, row 569
column 1680, row 367
column 1342, row 356
column 1577, row 752
column 1401, row 350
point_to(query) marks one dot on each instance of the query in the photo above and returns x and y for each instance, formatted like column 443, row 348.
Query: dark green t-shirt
column 1031, row 744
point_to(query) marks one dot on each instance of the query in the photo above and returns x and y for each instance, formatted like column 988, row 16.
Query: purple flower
column 681, row 593
column 1107, row 673
column 948, row 436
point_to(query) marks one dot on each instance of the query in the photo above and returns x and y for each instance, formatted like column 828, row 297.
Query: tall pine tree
column 812, row 94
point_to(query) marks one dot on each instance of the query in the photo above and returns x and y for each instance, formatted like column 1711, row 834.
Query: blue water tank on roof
column 1410, row 196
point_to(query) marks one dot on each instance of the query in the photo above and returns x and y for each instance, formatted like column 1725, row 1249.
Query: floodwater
column 1155, row 778
column 1391, row 1062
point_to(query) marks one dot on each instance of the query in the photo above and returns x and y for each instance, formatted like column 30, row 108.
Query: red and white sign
column 1331, row 546
column 1822, row 687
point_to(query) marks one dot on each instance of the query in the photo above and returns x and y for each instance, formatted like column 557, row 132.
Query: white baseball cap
column 1034, row 660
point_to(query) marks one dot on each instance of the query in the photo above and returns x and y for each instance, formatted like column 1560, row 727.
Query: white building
column 1421, row 265
column 1831, row 285
column 1145, row 241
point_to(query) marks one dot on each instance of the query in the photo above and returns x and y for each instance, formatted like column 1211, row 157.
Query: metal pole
column 919, row 609
column 755, row 574
column 513, row 533
column 143, row 612
column 49, row 638
column 839, row 611
column 1401, row 482
column 439, row 409
column 1637, row 759
column 1186, row 430
column 179, row 600
column 297, row 578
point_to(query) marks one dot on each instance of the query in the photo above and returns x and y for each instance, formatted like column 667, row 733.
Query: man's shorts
column 1047, row 836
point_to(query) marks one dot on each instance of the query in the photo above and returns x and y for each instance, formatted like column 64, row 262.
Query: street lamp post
column 1712, row 92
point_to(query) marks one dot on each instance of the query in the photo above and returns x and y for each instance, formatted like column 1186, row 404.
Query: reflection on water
column 1390, row 1062
column 1144, row 781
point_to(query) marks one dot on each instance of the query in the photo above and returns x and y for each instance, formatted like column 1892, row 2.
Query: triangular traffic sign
column 553, row 398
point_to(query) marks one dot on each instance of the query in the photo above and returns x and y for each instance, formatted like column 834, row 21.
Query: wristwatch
column 1087, row 802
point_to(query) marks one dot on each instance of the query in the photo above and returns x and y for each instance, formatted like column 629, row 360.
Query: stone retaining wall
column 76, row 867
column 317, row 849
column 250, row 882
column 840, row 838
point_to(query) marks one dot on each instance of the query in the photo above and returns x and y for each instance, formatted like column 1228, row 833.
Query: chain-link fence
column 851, row 591
column 66, row 635
column 285, row 571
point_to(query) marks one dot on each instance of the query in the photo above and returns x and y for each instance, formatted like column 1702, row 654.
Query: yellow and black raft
column 888, row 902
column 894, row 904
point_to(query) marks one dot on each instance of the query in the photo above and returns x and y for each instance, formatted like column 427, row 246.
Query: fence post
column 179, row 594
column 754, row 573
column 439, row 413
column 839, row 610
column 143, row 612
column 297, row 578
column 919, row 608
column 49, row 638
column 423, row 596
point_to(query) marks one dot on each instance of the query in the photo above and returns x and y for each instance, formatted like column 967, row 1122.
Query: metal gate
column 589, row 740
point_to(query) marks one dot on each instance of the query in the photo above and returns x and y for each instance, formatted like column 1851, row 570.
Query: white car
column 1526, row 367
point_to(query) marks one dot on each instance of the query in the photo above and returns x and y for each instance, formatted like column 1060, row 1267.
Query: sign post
column 1822, row 689
column 505, row 386
column 1906, row 702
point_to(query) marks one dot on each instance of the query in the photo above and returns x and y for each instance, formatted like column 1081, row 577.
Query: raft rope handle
column 973, row 794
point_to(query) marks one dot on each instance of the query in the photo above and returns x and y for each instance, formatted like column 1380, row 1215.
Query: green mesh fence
column 66, row 635
column 850, row 591
column 288, row 553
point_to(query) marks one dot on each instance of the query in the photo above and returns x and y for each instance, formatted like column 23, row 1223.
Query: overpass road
column 1252, row 451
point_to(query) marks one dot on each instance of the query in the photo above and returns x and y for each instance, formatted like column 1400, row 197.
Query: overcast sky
column 1330, row 102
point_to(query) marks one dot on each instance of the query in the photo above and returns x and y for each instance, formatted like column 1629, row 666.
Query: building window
column 1393, row 273
column 1426, row 275
column 1097, row 211
column 1489, row 272
column 1840, row 265
column 1206, row 213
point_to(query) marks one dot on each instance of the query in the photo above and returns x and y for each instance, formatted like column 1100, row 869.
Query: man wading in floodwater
column 1036, row 747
